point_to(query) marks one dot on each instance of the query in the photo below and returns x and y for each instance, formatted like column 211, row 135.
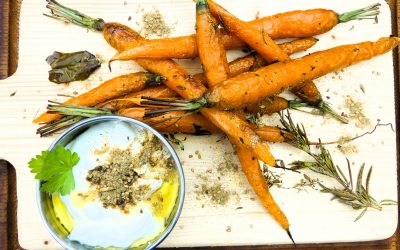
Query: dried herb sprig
column 357, row 196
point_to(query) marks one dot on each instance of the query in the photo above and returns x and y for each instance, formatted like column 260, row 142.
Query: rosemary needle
column 357, row 196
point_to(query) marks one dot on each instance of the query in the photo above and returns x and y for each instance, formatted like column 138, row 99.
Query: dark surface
column 9, row 10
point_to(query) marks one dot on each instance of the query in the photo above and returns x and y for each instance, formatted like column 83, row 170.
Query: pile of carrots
column 226, row 91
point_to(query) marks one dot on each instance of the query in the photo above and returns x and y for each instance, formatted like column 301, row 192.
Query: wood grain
column 8, row 232
column 4, row 38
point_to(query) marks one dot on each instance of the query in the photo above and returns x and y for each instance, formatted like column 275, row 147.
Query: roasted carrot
column 114, row 87
column 252, row 170
column 197, row 124
column 254, row 61
column 213, row 58
column 293, row 24
column 178, row 79
column 252, row 87
column 129, row 100
column 169, row 123
column 265, row 46
column 211, row 51
column 256, row 39
column 268, row 106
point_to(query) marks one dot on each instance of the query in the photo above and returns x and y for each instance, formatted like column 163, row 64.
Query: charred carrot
column 114, row 87
column 293, row 24
column 211, row 51
column 178, row 79
column 129, row 101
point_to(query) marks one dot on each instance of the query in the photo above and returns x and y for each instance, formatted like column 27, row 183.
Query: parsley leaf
column 54, row 169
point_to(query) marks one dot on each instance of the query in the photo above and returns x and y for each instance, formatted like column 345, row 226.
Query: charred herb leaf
column 171, row 138
column 69, row 67
column 54, row 170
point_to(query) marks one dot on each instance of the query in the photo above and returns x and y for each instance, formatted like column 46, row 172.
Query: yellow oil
column 164, row 199
column 162, row 202
column 62, row 213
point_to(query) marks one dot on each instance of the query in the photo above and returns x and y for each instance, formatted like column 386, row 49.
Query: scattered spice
column 154, row 25
column 356, row 112
column 13, row 93
column 197, row 152
column 215, row 192
column 362, row 88
column 228, row 229
column 227, row 166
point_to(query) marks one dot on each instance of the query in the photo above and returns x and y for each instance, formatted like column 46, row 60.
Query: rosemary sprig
column 357, row 196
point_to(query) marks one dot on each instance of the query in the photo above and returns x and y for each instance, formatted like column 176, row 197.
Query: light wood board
column 314, row 218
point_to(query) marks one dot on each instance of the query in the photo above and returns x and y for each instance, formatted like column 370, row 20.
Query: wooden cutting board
column 209, row 225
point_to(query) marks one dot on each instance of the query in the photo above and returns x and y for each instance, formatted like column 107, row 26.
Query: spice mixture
column 216, row 193
column 356, row 112
column 154, row 25
column 122, row 181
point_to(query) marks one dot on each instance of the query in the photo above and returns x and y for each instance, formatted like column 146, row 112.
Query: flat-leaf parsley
column 54, row 169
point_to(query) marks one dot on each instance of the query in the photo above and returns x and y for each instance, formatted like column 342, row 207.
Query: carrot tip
column 290, row 236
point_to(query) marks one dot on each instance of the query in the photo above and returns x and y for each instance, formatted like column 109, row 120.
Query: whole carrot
column 236, row 67
column 293, row 24
column 211, row 51
column 252, row 170
column 178, row 79
column 253, row 87
column 114, row 87
column 265, row 46
column 213, row 58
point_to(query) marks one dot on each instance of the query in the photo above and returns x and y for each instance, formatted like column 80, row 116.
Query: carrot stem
column 74, row 110
column 322, row 106
column 55, row 126
column 363, row 13
column 66, row 14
